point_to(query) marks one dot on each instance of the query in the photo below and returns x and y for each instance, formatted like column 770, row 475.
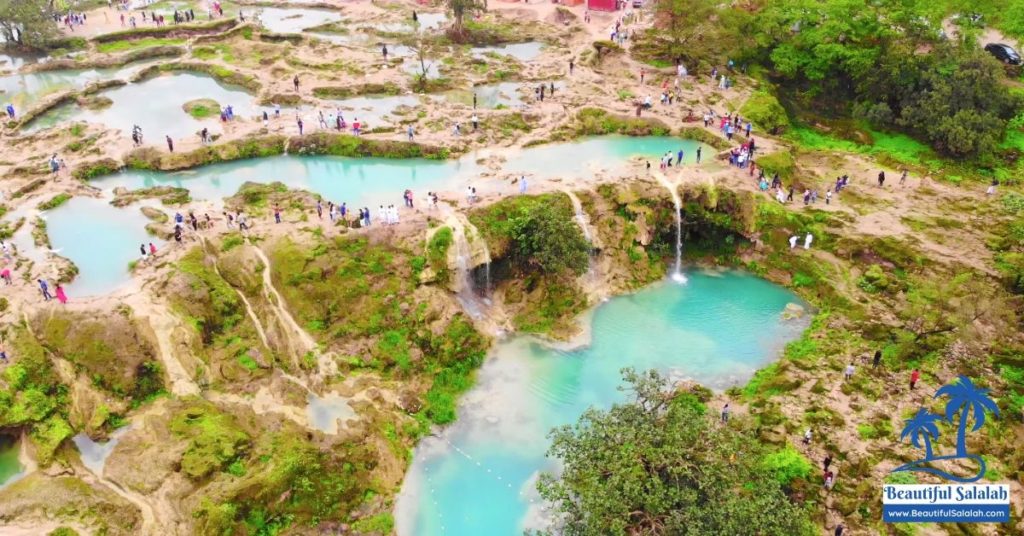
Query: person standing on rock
column 877, row 359
column 142, row 251
column 826, row 462
column 848, row 373
column 698, row 154
column 298, row 121
column 807, row 241
column 572, row 65
column 411, row 133
column 792, row 241
column 384, row 51
column 61, row 297
column 152, row 249
column 725, row 413
column 914, row 376
column 881, row 179
column 319, row 210
column 807, row 437
column 474, row 100
column 277, row 214
column 170, row 144
column 903, row 177
column 6, row 276
column 295, row 81
column 522, row 185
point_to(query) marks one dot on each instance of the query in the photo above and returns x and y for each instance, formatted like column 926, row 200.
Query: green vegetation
column 594, row 122
column 780, row 162
column 360, row 296
column 167, row 31
column 201, row 108
column 149, row 158
column 327, row 143
column 32, row 396
column 437, row 253
column 658, row 460
column 96, row 168
column 540, row 243
column 338, row 92
column 764, row 110
column 109, row 350
column 54, row 201
column 215, row 441
column 111, row 47
column 28, row 23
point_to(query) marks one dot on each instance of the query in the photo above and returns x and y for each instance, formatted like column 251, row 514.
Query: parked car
column 1003, row 53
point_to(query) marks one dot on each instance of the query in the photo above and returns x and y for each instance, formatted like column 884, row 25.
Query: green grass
column 54, row 201
column 126, row 45
column 898, row 147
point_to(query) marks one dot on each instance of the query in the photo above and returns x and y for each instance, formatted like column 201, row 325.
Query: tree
column 27, row 23
column 658, row 465
column 459, row 9
column 680, row 24
column 544, row 238
column 420, row 51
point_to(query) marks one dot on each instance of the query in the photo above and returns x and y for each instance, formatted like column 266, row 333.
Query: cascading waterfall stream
column 584, row 224
column 677, row 271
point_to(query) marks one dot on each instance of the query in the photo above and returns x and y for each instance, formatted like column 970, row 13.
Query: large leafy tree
column 658, row 465
column 544, row 238
column 459, row 9
column 27, row 23
column 682, row 27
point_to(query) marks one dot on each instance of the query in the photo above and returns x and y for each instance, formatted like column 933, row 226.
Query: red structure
column 602, row 5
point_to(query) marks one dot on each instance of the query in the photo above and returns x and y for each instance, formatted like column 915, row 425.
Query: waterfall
column 677, row 270
column 584, row 225
column 463, row 259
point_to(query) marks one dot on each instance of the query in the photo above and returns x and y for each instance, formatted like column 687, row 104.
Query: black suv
column 1003, row 53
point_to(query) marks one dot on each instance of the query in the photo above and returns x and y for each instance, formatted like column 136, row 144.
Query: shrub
column 786, row 465
column 764, row 110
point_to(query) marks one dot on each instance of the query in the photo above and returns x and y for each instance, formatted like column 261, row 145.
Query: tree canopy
column 459, row 9
column 659, row 465
column 27, row 23
column 545, row 238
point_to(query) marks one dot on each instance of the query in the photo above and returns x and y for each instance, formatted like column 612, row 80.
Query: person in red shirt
column 914, row 376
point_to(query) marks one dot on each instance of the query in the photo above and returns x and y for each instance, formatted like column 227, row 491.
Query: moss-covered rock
column 594, row 122
column 201, row 108
column 150, row 158
column 344, row 92
column 69, row 498
column 328, row 143
column 215, row 440
column 107, row 348
column 168, row 195
column 95, row 168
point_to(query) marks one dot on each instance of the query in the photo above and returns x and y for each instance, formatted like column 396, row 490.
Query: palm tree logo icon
column 967, row 402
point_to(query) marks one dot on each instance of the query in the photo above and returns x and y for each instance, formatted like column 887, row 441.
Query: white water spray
column 677, row 271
